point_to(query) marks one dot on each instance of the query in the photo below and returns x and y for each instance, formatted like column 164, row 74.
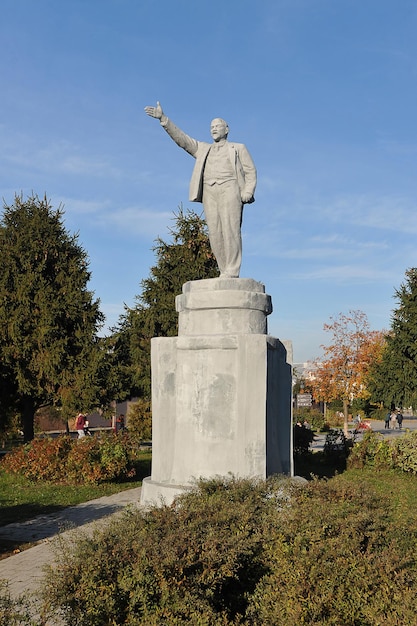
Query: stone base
column 160, row 494
column 221, row 400
column 223, row 306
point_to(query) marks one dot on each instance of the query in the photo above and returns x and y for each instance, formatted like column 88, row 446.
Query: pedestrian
column 393, row 419
column 399, row 419
column 79, row 425
column 87, row 428
column 120, row 423
column 387, row 419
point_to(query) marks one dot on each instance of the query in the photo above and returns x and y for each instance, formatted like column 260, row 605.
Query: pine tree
column 186, row 257
column 48, row 318
column 394, row 379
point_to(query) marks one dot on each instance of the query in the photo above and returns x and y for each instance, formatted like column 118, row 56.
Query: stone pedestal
column 221, row 391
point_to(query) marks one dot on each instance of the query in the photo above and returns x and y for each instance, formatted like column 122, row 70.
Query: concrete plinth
column 221, row 391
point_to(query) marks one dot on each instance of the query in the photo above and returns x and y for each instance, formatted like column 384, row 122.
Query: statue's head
column 219, row 129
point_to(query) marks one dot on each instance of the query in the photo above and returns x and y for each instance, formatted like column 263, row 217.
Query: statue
column 224, row 179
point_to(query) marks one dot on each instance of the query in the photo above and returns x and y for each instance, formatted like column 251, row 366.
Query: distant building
column 305, row 370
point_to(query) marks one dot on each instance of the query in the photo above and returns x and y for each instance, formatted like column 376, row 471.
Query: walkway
column 24, row 570
column 377, row 426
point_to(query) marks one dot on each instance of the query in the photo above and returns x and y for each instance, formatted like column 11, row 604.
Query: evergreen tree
column 393, row 380
column 48, row 318
column 186, row 257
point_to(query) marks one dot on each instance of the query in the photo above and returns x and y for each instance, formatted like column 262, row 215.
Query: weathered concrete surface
column 221, row 390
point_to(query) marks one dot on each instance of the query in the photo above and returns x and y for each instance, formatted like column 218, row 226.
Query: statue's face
column 219, row 129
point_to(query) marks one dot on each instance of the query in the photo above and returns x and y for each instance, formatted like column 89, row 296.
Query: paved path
column 24, row 570
column 377, row 426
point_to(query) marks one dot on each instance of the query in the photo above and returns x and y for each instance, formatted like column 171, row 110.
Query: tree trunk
column 28, row 418
column 345, row 420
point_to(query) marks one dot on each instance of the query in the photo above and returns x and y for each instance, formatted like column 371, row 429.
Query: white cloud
column 345, row 273
column 77, row 205
column 391, row 213
column 138, row 221
column 20, row 151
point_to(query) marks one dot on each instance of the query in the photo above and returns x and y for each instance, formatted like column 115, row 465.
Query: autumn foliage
column 342, row 372
column 73, row 461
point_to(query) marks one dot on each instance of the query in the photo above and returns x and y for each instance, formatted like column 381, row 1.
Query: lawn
column 398, row 488
column 21, row 499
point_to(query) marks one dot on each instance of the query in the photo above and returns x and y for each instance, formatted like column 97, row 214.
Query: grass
column 398, row 487
column 21, row 499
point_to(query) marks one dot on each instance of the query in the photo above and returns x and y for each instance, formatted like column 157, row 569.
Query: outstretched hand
column 156, row 112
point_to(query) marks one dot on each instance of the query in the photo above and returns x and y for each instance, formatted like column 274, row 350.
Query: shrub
column 404, row 453
column 192, row 563
column 13, row 612
column 334, row 419
column 336, row 560
column 336, row 443
column 378, row 413
column 372, row 451
column 73, row 461
column 243, row 552
column 313, row 416
column 302, row 439
column 140, row 419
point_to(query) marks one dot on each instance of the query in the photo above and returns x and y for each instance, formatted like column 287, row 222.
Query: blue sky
column 322, row 92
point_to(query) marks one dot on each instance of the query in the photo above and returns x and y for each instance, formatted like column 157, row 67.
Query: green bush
column 337, row 560
column 13, row 612
column 336, row 443
column 140, row 419
column 241, row 552
column 374, row 451
column 73, row 461
column 378, row 413
column 313, row 416
column 302, row 439
column 334, row 419
column 404, row 452
column 192, row 563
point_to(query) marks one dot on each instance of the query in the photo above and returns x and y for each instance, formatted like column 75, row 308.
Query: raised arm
column 183, row 140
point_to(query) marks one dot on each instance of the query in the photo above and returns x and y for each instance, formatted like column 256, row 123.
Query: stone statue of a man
column 224, row 179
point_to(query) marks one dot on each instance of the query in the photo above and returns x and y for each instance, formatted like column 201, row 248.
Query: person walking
column 387, row 419
column 399, row 420
column 80, row 425
column 87, row 430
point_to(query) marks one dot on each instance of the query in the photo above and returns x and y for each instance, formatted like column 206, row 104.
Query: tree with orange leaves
column 341, row 373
